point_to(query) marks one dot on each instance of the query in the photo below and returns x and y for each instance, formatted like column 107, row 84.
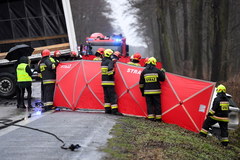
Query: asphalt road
column 88, row 129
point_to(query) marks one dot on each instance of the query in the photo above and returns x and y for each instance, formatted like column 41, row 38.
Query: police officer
column 24, row 81
column 218, row 114
column 135, row 59
column 110, row 97
column 151, row 88
column 47, row 68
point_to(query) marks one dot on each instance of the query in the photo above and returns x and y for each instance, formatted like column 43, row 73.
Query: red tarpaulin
column 78, row 85
column 122, row 59
column 185, row 101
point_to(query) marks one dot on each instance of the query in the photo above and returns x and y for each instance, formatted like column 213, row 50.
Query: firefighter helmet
column 73, row 54
column 117, row 53
column 146, row 60
column 57, row 53
column 108, row 52
column 152, row 61
column 101, row 51
column 45, row 52
column 137, row 56
column 221, row 88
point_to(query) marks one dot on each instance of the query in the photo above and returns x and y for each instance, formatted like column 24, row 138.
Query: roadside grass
column 137, row 138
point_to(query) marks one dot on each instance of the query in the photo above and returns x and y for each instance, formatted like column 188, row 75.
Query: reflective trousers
column 48, row 93
column 223, row 126
column 110, row 95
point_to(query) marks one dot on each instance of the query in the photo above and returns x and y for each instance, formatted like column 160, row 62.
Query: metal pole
column 70, row 25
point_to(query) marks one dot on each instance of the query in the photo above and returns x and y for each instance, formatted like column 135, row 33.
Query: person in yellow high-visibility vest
column 24, row 81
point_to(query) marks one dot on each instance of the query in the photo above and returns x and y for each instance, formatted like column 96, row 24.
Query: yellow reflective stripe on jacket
column 22, row 75
column 97, row 59
column 224, row 105
column 48, row 81
column 222, row 119
column 212, row 111
column 104, row 70
column 110, row 72
column 135, row 64
column 108, row 83
column 155, row 91
column 42, row 67
column 52, row 60
column 151, row 77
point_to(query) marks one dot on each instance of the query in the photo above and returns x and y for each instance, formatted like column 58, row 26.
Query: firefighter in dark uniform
column 151, row 88
column 99, row 54
column 47, row 68
column 135, row 59
column 74, row 56
column 218, row 114
column 56, row 56
column 24, row 81
column 115, row 56
column 110, row 97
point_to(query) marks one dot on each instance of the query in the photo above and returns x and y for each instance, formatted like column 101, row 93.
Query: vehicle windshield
column 114, row 48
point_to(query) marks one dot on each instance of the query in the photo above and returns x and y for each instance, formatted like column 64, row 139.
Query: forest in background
column 90, row 16
column 196, row 38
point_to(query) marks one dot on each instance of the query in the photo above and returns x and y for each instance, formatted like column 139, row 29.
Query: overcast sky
column 123, row 22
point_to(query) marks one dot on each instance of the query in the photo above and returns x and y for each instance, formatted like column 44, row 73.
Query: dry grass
column 139, row 139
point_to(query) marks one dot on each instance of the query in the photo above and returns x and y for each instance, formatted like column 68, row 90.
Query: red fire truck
column 98, row 40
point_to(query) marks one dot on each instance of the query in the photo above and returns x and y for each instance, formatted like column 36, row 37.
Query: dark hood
column 23, row 59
